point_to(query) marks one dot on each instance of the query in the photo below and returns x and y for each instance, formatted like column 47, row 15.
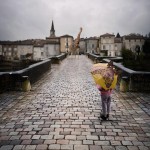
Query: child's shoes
column 103, row 117
column 107, row 116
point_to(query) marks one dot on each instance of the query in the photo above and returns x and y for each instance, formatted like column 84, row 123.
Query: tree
column 146, row 47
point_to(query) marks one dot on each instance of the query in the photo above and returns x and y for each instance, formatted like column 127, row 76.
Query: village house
column 107, row 43
column 92, row 44
column 133, row 42
column 83, row 46
column 65, row 42
column 117, row 45
column 39, row 49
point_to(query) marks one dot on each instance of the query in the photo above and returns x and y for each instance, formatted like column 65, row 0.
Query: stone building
column 9, row 50
column 65, row 42
column 117, row 45
column 133, row 41
column 25, row 49
column 38, row 50
column 0, row 50
column 91, row 44
column 52, row 43
column 107, row 43
column 82, row 45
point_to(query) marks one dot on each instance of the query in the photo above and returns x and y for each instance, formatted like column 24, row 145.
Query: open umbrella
column 104, row 76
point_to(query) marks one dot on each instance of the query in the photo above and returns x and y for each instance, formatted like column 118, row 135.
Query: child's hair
column 110, row 64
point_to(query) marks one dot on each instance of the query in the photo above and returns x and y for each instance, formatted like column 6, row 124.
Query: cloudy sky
column 31, row 19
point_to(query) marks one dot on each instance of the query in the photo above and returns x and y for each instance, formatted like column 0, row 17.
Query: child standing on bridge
column 106, row 97
column 106, row 102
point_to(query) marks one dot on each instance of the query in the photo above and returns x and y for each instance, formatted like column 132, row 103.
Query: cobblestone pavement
column 62, row 109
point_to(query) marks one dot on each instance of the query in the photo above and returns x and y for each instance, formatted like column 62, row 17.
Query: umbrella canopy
column 104, row 76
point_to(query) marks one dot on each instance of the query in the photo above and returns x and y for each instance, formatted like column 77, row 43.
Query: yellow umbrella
column 104, row 76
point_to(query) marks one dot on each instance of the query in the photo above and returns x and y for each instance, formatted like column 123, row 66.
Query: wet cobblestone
column 62, row 109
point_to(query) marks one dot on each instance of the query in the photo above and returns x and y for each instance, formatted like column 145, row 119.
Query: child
column 106, row 101
column 106, row 97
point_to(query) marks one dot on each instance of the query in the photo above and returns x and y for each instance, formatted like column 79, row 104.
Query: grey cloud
column 28, row 19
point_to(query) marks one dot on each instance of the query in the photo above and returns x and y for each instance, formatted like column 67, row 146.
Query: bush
column 135, row 62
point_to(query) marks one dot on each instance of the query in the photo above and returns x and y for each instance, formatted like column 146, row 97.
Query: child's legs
column 108, row 104
column 104, row 104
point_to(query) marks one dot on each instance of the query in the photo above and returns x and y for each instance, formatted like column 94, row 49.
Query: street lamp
column 67, row 45
column 137, row 50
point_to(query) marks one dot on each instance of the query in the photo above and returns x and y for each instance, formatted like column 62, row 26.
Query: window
column 15, row 49
column 116, row 47
column 104, row 47
column 42, row 53
column 109, row 47
column 9, row 53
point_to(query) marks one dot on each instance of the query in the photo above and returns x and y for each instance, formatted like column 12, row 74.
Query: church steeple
column 52, row 31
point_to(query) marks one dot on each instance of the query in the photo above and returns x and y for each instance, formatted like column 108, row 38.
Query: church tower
column 52, row 31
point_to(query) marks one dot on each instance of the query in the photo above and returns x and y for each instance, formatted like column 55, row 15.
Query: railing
column 98, row 58
column 10, row 80
column 58, row 59
column 136, row 80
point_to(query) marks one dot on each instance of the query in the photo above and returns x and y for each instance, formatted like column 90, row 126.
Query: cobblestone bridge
column 62, row 109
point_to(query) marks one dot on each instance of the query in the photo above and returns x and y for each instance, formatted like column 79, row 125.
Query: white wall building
column 23, row 50
column 51, row 49
column 107, row 43
column 38, row 53
column 65, row 42
column 82, row 45
column 133, row 40
column 91, row 44
column 117, row 45
column 0, row 49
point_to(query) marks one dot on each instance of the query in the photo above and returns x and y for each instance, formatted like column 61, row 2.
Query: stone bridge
column 62, row 112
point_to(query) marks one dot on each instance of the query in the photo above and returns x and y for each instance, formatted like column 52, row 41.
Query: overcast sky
column 31, row 19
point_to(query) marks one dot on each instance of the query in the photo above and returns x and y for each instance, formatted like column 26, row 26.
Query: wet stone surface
column 62, row 109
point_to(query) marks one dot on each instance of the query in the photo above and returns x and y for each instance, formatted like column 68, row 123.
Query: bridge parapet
column 57, row 59
column 12, row 80
column 137, row 80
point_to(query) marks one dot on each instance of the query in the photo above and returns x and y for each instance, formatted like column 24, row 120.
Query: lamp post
column 67, row 45
column 137, row 50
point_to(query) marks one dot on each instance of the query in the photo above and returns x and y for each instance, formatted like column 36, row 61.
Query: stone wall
column 12, row 80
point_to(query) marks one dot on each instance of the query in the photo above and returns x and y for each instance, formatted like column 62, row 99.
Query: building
column 9, row 50
column 36, row 49
column 117, row 45
column 82, row 45
column 65, row 42
column 39, row 49
column 133, row 41
column 91, row 44
column 52, row 43
column 107, row 43
column 0, row 50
